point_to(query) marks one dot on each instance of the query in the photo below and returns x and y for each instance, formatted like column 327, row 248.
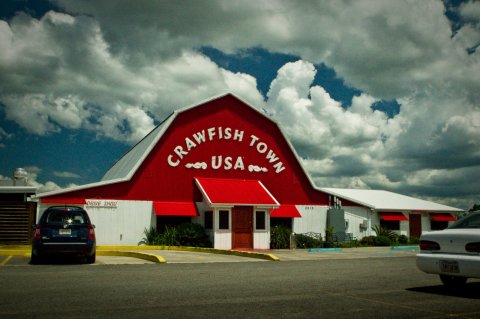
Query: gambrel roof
column 126, row 167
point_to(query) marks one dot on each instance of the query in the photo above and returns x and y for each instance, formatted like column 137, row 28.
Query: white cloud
column 4, row 136
column 429, row 148
column 66, row 174
column 52, row 83
column 470, row 10
column 41, row 114
column 33, row 173
column 132, row 64
column 315, row 122
column 385, row 48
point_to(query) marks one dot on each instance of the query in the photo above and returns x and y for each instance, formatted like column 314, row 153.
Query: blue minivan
column 64, row 231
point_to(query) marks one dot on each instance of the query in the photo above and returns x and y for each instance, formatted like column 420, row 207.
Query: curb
column 119, row 253
column 248, row 254
column 145, row 256
column 133, row 251
column 320, row 250
column 404, row 248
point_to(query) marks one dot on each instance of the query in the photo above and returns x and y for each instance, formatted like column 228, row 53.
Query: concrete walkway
column 190, row 257
column 345, row 253
column 149, row 254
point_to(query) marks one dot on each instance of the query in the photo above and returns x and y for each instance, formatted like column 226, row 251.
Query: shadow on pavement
column 60, row 260
column 470, row 290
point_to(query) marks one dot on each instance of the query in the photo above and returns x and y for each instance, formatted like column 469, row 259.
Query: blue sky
column 372, row 94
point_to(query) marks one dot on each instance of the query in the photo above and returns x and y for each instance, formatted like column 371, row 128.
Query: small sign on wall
column 103, row 203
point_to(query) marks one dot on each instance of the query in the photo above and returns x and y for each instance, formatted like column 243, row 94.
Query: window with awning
column 231, row 192
column 285, row 211
column 175, row 209
column 442, row 217
column 392, row 216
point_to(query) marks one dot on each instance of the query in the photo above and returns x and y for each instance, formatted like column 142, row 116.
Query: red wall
column 157, row 180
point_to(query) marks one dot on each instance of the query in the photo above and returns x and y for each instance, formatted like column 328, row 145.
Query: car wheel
column 91, row 259
column 35, row 259
column 453, row 281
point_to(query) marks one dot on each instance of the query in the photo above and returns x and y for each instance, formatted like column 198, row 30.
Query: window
column 390, row 224
column 286, row 222
column 438, row 225
column 171, row 221
column 223, row 219
column 260, row 220
column 470, row 221
column 208, row 219
column 65, row 217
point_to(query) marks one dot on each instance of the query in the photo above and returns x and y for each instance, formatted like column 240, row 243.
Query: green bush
column 305, row 241
column 169, row 237
column 193, row 235
column 385, row 232
column 350, row 244
column 186, row 234
column 402, row 239
column 280, row 237
column 414, row 241
column 367, row 241
column 329, row 234
column 151, row 237
column 382, row 241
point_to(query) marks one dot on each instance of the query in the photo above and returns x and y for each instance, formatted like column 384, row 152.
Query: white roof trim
column 76, row 188
column 381, row 200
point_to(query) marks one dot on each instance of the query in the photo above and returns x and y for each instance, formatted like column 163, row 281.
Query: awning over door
column 175, row 209
column 285, row 211
column 392, row 216
column 438, row 217
column 230, row 192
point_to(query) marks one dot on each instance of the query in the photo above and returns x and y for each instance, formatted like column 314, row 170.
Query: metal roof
column 128, row 164
column 381, row 200
column 18, row 189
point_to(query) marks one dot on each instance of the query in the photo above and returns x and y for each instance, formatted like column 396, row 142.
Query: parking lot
column 378, row 283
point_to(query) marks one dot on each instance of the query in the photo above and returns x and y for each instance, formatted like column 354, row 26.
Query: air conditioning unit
column 364, row 225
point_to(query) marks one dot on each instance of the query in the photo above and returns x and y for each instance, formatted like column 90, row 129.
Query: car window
column 470, row 221
column 64, row 217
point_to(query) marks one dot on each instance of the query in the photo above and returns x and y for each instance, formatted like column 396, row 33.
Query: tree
column 475, row 207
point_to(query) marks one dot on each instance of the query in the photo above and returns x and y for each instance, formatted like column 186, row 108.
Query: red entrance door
column 415, row 221
column 242, row 222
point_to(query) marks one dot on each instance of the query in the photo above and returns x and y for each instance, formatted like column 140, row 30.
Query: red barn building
column 222, row 164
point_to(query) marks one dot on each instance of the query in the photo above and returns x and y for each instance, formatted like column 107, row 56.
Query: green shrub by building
column 186, row 234
column 382, row 241
column 280, row 237
column 305, row 241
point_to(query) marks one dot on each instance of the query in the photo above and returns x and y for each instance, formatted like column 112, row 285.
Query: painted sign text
column 222, row 161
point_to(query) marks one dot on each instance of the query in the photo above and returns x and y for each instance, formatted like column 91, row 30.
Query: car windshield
column 469, row 221
column 65, row 217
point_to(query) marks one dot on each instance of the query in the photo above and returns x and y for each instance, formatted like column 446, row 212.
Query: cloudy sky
column 372, row 94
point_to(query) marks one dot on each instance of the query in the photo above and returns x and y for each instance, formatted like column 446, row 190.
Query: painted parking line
column 5, row 261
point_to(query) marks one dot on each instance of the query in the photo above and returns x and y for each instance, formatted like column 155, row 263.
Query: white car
column 452, row 253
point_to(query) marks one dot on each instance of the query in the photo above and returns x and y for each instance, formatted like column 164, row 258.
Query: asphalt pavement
column 376, row 287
